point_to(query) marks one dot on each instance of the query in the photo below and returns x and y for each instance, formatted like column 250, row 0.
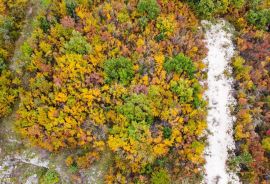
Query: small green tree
column 167, row 132
column 259, row 18
column 77, row 44
column 136, row 108
column 245, row 158
column 180, row 63
column 71, row 6
column 26, row 51
column 118, row 69
column 183, row 90
column 44, row 24
column 149, row 8
column 204, row 8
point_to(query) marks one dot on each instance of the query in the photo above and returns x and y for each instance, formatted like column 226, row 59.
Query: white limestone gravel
column 220, row 121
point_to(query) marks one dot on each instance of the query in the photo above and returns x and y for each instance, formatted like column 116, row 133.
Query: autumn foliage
column 251, row 71
column 122, row 76
column 251, row 67
column 12, row 14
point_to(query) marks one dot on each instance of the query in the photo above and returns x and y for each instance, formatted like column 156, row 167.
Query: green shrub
column 26, row 51
column 50, row 177
column 136, row 108
column 259, row 18
column 167, row 132
column 204, row 8
column 183, row 90
column 244, row 158
column 138, row 130
column 209, row 8
column 8, row 29
column 6, row 24
column 161, row 36
column 160, row 177
column 118, row 69
column 73, row 168
column 77, row 44
column 148, row 169
column 180, row 63
column 44, row 24
column 161, row 162
column 71, row 6
column 150, row 8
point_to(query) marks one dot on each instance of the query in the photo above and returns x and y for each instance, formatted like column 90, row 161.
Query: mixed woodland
column 125, row 77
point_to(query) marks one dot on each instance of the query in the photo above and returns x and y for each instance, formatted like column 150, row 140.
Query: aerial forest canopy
column 125, row 77
column 117, row 76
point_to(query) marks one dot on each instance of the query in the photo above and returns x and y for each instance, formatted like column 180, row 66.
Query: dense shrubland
column 123, row 76
column 251, row 71
column 12, row 15
column 120, row 76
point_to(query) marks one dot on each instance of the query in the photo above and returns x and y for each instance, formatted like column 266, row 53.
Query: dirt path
column 220, row 121
column 7, row 134
column 25, row 33
column 14, row 157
